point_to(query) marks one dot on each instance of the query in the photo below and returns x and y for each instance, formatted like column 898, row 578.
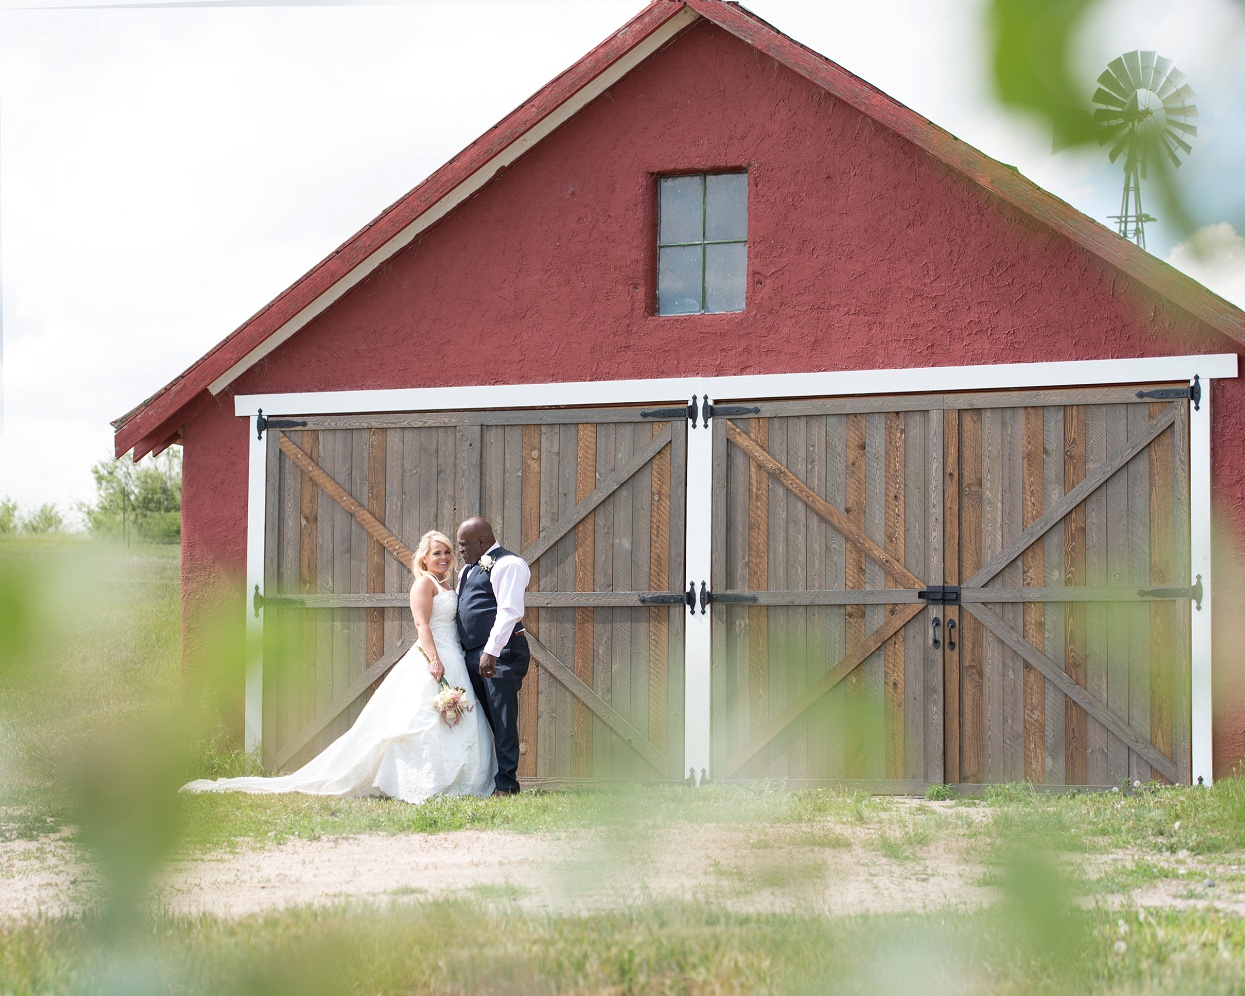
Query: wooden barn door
column 594, row 500
column 1068, row 532
column 982, row 587
column 827, row 525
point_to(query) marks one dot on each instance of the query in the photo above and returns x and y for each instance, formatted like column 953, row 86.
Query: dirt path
column 723, row 867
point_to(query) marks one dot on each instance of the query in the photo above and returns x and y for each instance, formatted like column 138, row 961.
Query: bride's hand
column 436, row 669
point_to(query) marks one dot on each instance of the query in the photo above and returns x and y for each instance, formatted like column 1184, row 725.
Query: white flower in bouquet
column 451, row 701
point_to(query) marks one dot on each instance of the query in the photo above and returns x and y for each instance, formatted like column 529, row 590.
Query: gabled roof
column 156, row 422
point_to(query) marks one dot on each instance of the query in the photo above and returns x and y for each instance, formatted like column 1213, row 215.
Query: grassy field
column 94, row 737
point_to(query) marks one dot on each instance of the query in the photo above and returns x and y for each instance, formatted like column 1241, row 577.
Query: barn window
column 702, row 243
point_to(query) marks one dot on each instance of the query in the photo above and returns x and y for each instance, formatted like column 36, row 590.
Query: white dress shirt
column 509, row 577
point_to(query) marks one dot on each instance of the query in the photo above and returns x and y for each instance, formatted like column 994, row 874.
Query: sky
column 167, row 171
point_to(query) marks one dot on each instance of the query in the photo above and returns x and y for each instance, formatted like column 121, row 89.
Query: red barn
column 840, row 452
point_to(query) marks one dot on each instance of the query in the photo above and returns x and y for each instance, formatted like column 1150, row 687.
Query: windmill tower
column 1142, row 109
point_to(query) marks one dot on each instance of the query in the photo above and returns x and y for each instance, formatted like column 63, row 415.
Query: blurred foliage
column 9, row 516
column 47, row 518
column 140, row 500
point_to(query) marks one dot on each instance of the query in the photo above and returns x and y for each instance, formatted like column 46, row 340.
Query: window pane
column 726, row 207
column 678, row 280
column 682, row 206
column 726, row 270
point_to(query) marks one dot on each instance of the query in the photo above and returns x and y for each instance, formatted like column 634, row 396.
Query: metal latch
column 1192, row 392
column 708, row 411
column 259, row 601
column 942, row 594
column 687, row 412
column 687, row 598
column 262, row 423
column 1194, row 593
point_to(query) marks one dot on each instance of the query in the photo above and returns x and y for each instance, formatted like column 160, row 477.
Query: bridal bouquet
column 450, row 702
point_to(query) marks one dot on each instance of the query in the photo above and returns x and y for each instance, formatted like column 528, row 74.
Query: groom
column 490, row 625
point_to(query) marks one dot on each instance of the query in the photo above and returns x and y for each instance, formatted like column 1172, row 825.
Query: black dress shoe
column 500, row 792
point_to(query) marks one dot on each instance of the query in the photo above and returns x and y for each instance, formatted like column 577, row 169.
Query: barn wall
column 864, row 253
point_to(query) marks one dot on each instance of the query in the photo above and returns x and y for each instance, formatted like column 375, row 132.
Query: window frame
column 703, row 242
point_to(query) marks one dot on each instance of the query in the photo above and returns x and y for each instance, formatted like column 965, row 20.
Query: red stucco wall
column 863, row 252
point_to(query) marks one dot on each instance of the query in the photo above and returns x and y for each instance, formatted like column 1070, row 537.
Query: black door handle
column 937, row 623
column 950, row 634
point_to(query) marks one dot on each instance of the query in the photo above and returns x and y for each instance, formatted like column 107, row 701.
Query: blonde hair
column 418, row 566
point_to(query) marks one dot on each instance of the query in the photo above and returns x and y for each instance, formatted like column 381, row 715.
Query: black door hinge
column 688, row 412
column 942, row 594
column 1192, row 392
column 728, row 597
column 668, row 598
column 708, row 411
column 1194, row 592
column 259, row 601
column 262, row 423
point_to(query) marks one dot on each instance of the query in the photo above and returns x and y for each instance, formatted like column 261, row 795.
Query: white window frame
column 829, row 384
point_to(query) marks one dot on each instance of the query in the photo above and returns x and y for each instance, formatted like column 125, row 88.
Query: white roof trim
column 461, row 192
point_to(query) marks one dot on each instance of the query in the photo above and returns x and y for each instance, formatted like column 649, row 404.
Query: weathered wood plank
column 677, row 577
column 1087, row 486
column 815, row 691
column 780, row 620
column 835, row 480
column 620, row 663
column 567, row 678
column 927, row 559
column 529, row 694
column 349, row 504
column 972, row 693
column 603, row 739
column 952, row 662
column 1138, row 567
column 345, row 699
column 659, row 618
column 1052, row 543
column 1115, row 571
column 854, row 533
column 1096, row 572
column 817, row 734
column 1051, row 670
column 467, row 471
column 854, row 508
column 585, row 561
column 554, row 531
column 994, row 667
column 1034, row 569
column 377, row 453
column 1160, row 570
column 758, row 516
column 894, row 497
column 1073, row 575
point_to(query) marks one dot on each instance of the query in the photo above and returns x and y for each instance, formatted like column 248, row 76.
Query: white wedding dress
column 399, row 746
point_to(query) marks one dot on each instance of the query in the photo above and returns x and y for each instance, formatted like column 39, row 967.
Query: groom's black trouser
column 499, row 697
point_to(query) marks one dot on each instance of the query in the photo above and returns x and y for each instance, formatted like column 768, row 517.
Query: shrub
column 45, row 519
column 8, row 517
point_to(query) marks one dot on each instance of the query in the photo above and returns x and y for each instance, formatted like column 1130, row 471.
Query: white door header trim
column 1069, row 373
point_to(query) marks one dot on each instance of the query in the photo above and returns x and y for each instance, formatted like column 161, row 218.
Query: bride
column 400, row 746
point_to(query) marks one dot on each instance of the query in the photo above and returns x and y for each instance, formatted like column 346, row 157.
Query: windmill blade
column 1128, row 141
column 1109, row 80
column 1171, row 136
column 1107, row 99
column 1162, row 66
column 1133, row 61
column 1181, row 126
column 1147, row 69
column 1173, row 82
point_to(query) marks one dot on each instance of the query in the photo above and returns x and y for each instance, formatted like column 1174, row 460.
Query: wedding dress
column 399, row 746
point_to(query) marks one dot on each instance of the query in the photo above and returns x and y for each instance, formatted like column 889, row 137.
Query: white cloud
column 1215, row 256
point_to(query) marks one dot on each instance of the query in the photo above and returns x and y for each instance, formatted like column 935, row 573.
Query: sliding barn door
column 827, row 525
column 1068, row 534
column 594, row 500
column 982, row 587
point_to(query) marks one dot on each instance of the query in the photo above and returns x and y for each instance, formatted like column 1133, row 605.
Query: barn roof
column 156, row 422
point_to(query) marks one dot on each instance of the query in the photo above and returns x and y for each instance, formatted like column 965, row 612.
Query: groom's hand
column 488, row 666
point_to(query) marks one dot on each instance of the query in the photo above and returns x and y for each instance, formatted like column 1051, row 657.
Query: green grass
column 89, row 684
column 491, row 947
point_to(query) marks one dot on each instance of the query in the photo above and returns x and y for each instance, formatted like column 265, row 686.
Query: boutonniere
column 486, row 563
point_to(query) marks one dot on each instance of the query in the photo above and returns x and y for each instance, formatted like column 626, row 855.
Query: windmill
column 1142, row 109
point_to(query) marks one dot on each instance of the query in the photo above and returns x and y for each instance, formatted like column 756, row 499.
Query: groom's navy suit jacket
column 477, row 611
